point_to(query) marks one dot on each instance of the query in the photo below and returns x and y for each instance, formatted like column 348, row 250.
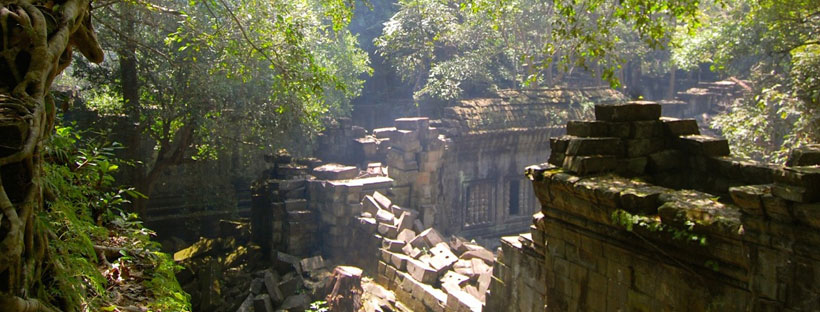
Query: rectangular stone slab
column 678, row 127
column 630, row 111
column 594, row 146
column 704, row 145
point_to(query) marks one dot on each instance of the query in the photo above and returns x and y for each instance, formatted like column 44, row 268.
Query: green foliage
column 82, row 197
column 653, row 224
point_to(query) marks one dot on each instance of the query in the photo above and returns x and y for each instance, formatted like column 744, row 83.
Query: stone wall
column 641, row 213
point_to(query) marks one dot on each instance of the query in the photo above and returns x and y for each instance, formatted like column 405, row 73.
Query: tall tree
column 37, row 44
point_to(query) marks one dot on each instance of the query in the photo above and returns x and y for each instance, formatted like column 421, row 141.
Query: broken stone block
column 794, row 193
column 442, row 258
column 369, row 225
column 261, row 303
column 483, row 285
column 556, row 159
column 750, row 198
column 421, row 272
column 808, row 214
column 594, row 146
column 399, row 261
column 483, row 254
column 630, row 111
column 559, row 144
column 382, row 200
column 290, row 283
column 807, row 155
column 384, row 216
column 679, row 127
column 703, row 145
column 201, row 247
column 451, row 277
column 271, row 281
column 480, row 267
column 370, row 205
column 411, row 251
column 641, row 199
column 406, row 220
column 335, row 172
column 458, row 300
column 298, row 302
column 427, row 239
column 412, row 123
column 464, row 267
column 312, row 264
column 256, row 286
column 387, row 230
column 393, row 245
column 407, row 141
column 804, row 182
column 418, row 226
column 584, row 165
column 406, row 235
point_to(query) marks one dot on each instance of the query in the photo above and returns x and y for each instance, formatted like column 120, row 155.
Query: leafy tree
column 210, row 76
column 773, row 44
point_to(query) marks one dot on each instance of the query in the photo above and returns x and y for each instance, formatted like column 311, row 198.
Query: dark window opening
column 514, row 199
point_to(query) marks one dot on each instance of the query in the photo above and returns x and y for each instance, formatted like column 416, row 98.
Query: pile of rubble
column 425, row 271
column 233, row 275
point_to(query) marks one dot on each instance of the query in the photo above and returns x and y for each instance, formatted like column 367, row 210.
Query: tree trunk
column 26, row 119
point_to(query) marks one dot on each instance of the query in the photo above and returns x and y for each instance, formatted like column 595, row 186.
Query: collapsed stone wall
column 643, row 213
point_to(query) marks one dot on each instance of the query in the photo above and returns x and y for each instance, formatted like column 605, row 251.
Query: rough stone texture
column 701, row 230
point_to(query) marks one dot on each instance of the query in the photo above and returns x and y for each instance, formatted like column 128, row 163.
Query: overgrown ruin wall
column 644, row 214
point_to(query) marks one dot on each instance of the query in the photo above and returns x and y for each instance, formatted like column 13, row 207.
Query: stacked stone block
column 699, row 230
column 335, row 196
column 413, row 160
column 280, row 218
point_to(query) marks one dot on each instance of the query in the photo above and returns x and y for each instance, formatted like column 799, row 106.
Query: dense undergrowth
column 102, row 258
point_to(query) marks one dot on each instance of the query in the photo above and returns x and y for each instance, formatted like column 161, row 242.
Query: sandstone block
column 634, row 166
column 643, row 147
column 370, row 205
column 388, row 230
column 594, row 146
column 312, row 264
column 412, row 123
column 393, row 245
column 808, row 214
column 451, row 277
column 262, row 303
column 647, row 129
column 630, row 111
column 442, row 257
column 483, row 254
column 271, row 281
column 583, row 165
column 806, row 178
column 406, row 235
column 407, row 141
column 385, row 216
column 664, row 160
column 411, row 251
column 703, row 145
column 679, row 127
column 406, row 220
column 559, row 144
column 383, row 133
column 382, row 200
column 335, row 172
column 641, row 199
column 556, row 159
column 582, row 128
column 421, row 272
column 808, row 155
column 460, row 301
column 427, row 239
column 750, row 198
column 399, row 261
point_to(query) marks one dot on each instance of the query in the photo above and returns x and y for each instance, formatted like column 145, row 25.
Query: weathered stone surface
column 387, row 230
column 559, row 144
column 750, row 198
column 630, row 111
column 393, row 245
column 335, row 172
column 664, row 160
column 421, row 272
column 594, row 146
column 704, row 145
column 271, row 281
column 583, row 128
column 643, row 147
column 385, row 216
column 460, row 301
column 451, row 277
column 679, row 127
column 483, row 254
column 427, row 239
column 646, row 129
column 298, row 302
column 590, row 164
column 370, row 205
column 262, row 303
column 411, row 251
column 412, row 123
column 406, row 220
column 807, row 155
column 442, row 257
column 808, row 214
column 798, row 183
column 382, row 200
column 406, row 235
